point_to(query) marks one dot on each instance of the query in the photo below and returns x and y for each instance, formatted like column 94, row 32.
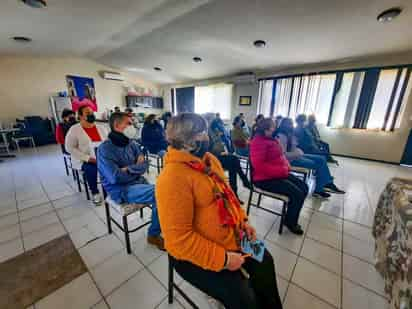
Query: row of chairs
column 125, row 210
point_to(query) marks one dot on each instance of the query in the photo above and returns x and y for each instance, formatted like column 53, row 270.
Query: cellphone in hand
column 256, row 248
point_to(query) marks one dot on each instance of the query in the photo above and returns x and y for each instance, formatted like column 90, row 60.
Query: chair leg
column 33, row 143
column 66, row 166
column 126, row 235
column 78, row 180
column 170, row 282
column 17, row 146
column 259, row 200
column 158, row 165
column 282, row 218
column 108, row 218
column 249, row 203
column 86, row 187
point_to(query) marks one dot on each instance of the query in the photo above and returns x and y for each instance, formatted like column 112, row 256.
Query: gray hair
column 182, row 130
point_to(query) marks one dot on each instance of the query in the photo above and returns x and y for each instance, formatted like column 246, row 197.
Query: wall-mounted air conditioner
column 245, row 78
column 112, row 76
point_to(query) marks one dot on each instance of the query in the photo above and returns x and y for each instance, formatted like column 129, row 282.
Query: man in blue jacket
column 121, row 165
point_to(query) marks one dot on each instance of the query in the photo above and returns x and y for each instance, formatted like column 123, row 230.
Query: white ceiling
column 140, row 34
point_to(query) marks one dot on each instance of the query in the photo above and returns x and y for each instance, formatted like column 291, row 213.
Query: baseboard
column 365, row 159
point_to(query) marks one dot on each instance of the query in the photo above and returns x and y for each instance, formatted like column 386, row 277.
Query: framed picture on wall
column 245, row 100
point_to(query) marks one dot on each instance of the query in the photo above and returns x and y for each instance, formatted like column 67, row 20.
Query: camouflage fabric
column 392, row 230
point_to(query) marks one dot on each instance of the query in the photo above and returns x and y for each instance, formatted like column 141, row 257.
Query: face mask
column 72, row 119
column 130, row 132
column 201, row 148
column 91, row 118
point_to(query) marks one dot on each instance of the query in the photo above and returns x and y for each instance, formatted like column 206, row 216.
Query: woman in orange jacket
column 202, row 223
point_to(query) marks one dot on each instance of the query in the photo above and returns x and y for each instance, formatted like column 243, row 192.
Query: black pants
column 90, row 171
column 232, row 289
column 292, row 187
column 231, row 163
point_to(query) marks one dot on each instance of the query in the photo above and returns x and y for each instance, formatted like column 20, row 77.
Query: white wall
column 245, row 90
column 27, row 83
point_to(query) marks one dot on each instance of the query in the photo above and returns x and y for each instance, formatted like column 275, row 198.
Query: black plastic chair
column 172, row 285
column 124, row 210
column 280, row 197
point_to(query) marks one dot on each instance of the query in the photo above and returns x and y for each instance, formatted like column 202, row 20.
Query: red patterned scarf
column 227, row 203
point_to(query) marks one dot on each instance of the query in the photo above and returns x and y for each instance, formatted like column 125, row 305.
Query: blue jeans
column 244, row 152
column 317, row 163
column 90, row 171
column 144, row 194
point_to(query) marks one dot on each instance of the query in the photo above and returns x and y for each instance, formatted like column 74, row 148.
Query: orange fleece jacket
column 188, row 213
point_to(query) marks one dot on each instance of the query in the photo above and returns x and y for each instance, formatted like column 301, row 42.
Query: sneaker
column 332, row 188
column 156, row 241
column 297, row 229
column 213, row 303
column 97, row 199
column 321, row 194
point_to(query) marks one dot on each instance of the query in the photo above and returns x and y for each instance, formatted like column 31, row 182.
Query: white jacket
column 80, row 146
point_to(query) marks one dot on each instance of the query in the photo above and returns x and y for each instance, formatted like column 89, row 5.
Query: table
column 3, row 133
column 392, row 229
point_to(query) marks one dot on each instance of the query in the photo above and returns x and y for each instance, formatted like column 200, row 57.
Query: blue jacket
column 110, row 160
column 153, row 137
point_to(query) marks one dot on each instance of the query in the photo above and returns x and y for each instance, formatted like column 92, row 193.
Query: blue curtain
column 273, row 101
column 185, row 100
column 366, row 98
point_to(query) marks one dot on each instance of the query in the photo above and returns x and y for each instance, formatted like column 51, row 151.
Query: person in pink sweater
column 271, row 172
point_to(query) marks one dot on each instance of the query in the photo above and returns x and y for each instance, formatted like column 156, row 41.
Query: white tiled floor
column 331, row 266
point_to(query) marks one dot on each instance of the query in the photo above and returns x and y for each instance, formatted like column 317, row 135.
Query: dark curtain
column 336, row 88
column 407, row 153
column 366, row 98
column 172, row 94
column 185, row 100
column 273, row 101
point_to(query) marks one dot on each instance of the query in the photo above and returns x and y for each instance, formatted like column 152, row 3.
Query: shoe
column 241, row 202
column 297, row 229
column 321, row 194
column 156, row 241
column 213, row 303
column 332, row 188
column 97, row 199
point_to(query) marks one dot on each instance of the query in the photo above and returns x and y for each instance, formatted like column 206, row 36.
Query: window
column 309, row 94
column 366, row 99
column 214, row 99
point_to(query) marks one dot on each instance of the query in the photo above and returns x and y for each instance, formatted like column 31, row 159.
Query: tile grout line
column 68, row 234
column 342, row 236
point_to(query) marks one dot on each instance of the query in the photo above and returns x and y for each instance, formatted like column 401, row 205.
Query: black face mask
column 72, row 119
column 201, row 148
column 91, row 118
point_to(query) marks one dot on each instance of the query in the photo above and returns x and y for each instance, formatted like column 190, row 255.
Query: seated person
column 305, row 139
column 201, row 235
column 240, row 139
column 218, row 127
column 81, row 141
column 69, row 119
column 165, row 119
column 257, row 119
column 296, row 157
column 271, row 172
column 229, row 162
column 313, row 130
column 278, row 120
column 153, row 136
column 121, row 166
